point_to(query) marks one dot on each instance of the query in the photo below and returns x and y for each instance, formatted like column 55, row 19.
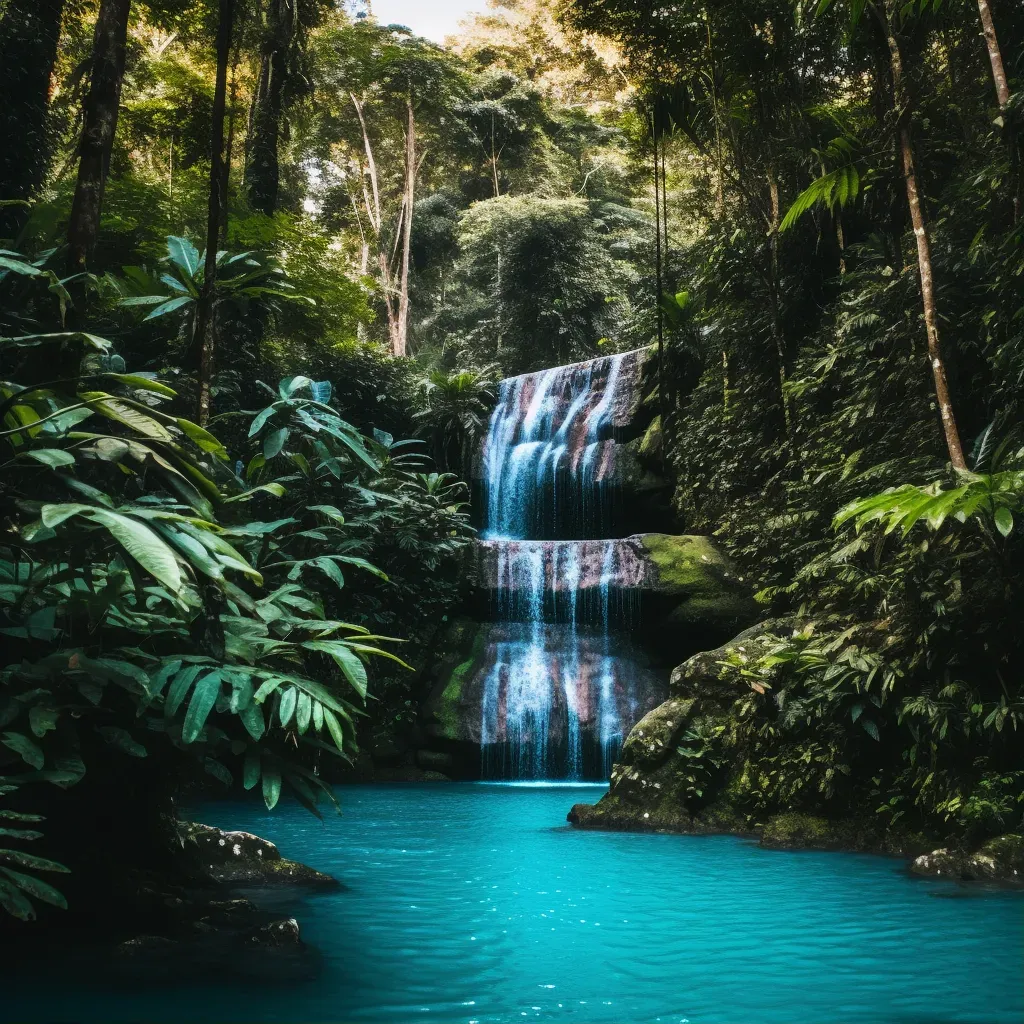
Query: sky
column 434, row 19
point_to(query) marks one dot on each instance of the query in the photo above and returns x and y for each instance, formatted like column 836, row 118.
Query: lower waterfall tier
column 541, row 701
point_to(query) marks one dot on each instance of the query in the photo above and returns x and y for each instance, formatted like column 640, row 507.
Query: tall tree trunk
column 229, row 149
column 102, row 105
column 402, row 333
column 659, row 201
column 494, row 162
column 29, row 36
column 773, row 285
column 204, row 338
column 924, row 256
column 995, row 56
column 372, row 210
column 262, row 170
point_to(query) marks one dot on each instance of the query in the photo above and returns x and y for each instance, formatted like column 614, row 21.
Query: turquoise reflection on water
column 474, row 902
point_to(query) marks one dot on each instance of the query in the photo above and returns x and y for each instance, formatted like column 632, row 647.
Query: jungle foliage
column 213, row 542
column 843, row 187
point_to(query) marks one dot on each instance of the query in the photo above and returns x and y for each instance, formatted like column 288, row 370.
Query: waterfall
column 547, row 453
column 560, row 693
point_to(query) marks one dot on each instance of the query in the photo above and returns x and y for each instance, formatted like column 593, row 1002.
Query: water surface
column 474, row 902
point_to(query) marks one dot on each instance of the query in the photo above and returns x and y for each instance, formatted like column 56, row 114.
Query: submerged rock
column 274, row 934
column 241, row 858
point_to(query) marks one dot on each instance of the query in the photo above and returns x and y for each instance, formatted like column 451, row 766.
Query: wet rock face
column 573, row 680
column 241, row 858
column 681, row 591
column 562, row 455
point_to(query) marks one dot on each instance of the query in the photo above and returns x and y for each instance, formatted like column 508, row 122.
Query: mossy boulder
column 716, row 676
column 694, row 598
column 651, row 739
column 241, row 858
column 696, row 568
column 1002, row 857
column 451, row 713
column 999, row 860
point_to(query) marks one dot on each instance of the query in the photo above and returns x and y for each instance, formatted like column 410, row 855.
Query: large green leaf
column 36, row 887
column 180, row 687
column 204, row 696
column 27, row 860
column 24, row 748
column 251, row 769
column 136, row 538
column 334, row 727
column 14, row 902
column 274, row 442
column 349, row 663
column 1004, row 520
column 286, row 707
column 124, row 412
column 170, row 306
column 183, row 254
column 52, row 457
column 203, row 438
column 271, row 786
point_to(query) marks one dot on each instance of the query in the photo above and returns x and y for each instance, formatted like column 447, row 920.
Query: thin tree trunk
column 204, row 338
column 29, row 37
column 402, row 338
column 719, row 160
column 101, row 108
column 841, row 242
column 494, row 162
column 776, row 313
column 372, row 212
column 995, row 56
column 229, row 149
column 170, row 181
column 263, row 171
column 924, row 256
column 658, row 286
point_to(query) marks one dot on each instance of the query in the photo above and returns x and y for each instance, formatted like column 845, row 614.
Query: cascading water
column 561, row 690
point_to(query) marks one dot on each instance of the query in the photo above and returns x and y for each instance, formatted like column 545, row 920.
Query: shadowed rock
column 241, row 858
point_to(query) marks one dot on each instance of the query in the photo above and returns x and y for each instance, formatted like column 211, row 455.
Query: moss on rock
column 712, row 598
column 999, row 860
column 650, row 741
column 464, row 644
column 650, row 447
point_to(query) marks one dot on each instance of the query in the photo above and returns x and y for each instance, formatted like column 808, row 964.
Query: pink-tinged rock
column 531, row 684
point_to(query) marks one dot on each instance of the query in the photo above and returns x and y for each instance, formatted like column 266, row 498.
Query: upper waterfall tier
column 550, row 465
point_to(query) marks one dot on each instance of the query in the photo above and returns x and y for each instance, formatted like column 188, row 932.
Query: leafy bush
column 143, row 601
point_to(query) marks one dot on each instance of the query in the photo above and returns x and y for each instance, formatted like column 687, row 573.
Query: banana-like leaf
column 204, row 696
column 136, row 538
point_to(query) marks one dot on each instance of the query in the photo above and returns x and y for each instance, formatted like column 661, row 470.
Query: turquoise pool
column 476, row 903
